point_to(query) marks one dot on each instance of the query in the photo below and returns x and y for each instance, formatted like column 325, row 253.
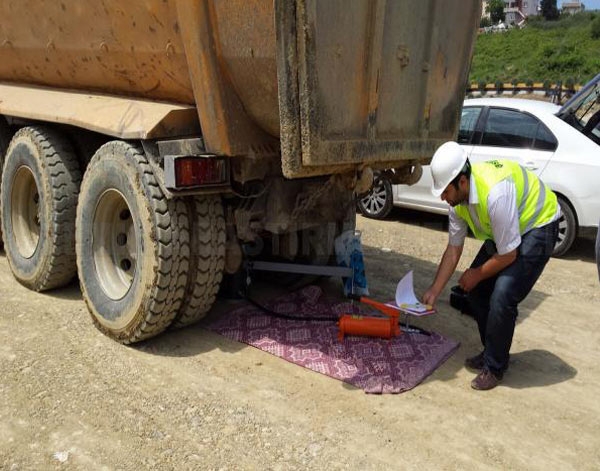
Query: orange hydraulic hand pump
column 370, row 326
column 384, row 308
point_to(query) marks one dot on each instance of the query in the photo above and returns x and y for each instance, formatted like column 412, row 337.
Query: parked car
column 559, row 144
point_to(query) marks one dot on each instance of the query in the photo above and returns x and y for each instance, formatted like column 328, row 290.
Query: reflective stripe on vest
column 536, row 203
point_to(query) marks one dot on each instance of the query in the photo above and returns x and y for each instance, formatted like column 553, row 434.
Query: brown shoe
column 485, row 380
column 476, row 362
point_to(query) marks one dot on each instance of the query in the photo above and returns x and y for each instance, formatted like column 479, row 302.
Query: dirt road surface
column 73, row 399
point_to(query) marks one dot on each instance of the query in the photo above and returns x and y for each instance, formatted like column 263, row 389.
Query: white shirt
column 503, row 213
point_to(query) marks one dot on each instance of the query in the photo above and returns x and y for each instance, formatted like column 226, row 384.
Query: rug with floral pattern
column 375, row 365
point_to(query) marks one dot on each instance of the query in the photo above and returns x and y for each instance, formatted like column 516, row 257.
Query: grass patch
column 565, row 50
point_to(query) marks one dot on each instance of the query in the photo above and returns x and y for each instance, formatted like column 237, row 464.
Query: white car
column 561, row 145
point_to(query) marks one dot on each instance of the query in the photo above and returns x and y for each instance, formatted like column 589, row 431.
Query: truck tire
column 207, row 258
column 131, row 245
column 40, row 185
column 5, row 137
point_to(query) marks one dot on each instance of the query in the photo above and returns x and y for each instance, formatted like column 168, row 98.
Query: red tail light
column 198, row 171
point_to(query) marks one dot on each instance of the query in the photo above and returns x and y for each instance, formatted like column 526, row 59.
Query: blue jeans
column 494, row 302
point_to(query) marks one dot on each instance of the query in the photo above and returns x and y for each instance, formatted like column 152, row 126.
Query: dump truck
column 151, row 147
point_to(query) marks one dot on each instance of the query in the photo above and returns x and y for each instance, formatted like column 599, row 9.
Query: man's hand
column 430, row 297
column 470, row 279
column 445, row 270
column 473, row 276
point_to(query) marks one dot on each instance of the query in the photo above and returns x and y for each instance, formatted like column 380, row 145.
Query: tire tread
column 64, row 178
column 207, row 258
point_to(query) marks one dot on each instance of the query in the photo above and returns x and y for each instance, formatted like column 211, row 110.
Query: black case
column 458, row 300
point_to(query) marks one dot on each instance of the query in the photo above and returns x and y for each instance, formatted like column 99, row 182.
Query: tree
column 596, row 28
column 495, row 8
column 549, row 10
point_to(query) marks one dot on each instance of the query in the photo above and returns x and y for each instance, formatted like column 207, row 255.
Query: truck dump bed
column 334, row 83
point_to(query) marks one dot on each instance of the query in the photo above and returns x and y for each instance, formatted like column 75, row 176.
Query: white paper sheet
column 407, row 301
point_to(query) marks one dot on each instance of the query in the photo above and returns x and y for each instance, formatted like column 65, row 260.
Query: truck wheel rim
column 114, row 245
column 375, row 200
column 25, row 212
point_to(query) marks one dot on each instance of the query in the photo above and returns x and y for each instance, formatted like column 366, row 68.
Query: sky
column 589, row 4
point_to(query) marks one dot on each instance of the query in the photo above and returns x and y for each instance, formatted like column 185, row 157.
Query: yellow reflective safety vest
column 536, row 202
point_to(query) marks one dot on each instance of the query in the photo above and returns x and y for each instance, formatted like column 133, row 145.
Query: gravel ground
column 73, row 399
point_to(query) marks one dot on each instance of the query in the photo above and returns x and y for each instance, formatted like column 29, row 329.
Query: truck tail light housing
column 188, row 172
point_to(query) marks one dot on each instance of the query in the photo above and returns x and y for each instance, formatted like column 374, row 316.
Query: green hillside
column 543, row 50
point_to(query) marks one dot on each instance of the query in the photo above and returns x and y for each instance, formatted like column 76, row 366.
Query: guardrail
column 556, row 91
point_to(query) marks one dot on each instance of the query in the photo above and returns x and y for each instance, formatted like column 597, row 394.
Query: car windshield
column 583, row 110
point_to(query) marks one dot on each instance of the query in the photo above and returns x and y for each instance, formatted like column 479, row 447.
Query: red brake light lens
column 194, row 171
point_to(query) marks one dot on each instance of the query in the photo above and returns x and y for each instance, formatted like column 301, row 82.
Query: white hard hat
column 446, row 164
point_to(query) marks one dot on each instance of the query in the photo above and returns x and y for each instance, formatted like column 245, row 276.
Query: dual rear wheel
column 144, row 261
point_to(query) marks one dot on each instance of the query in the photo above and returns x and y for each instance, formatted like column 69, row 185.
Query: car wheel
column 379, row 201
column 567, row 228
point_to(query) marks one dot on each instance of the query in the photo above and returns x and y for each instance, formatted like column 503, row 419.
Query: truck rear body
column 338, row 83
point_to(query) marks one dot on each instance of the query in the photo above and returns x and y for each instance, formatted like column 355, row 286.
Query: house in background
column 515, row 11
column 572, row 7
column 484, row 13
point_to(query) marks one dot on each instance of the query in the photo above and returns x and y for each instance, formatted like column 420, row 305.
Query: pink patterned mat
column 375, row 365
